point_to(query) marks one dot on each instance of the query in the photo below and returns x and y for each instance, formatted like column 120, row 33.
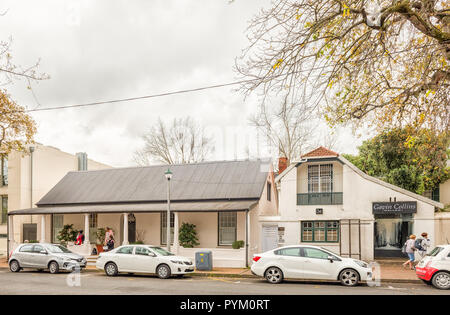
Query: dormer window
column 320, row 178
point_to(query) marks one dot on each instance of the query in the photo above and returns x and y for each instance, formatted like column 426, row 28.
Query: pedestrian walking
column 409, row 249
column 422, row 244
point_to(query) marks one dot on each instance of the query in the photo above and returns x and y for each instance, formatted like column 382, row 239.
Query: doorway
column 131, row 228
column 390, row 233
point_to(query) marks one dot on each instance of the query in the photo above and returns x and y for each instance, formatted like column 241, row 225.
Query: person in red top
column 80, row 238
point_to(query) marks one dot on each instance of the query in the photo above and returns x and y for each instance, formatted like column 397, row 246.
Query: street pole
column 168, row 175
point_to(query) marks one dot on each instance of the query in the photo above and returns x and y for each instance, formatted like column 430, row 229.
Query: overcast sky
column 102, row 50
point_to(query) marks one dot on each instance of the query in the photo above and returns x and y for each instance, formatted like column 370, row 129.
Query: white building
column 25, row 177
column 325, row 200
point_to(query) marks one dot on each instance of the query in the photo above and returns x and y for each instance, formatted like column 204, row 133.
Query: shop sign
column 394, row 207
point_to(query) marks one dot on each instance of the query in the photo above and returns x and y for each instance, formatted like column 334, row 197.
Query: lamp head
column 168, row 174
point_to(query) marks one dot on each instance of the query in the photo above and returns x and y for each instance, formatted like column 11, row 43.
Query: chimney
column 282, row 164
column 82, row 161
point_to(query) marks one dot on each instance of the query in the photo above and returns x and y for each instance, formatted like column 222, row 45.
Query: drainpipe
column 31, row 181
column 246, row 238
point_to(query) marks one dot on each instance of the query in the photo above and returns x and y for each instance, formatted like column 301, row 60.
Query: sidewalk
column 391, row 271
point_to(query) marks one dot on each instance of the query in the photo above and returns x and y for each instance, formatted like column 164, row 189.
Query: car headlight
column 177, row 262
column 361, row 263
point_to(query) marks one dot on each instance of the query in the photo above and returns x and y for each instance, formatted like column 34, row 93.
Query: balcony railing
column 324, row 198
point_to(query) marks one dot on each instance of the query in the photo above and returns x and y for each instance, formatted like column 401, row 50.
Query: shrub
column 237, row 244
column 187, row 236
column 67, row 234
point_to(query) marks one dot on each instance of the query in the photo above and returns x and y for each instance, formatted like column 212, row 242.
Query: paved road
column 33, row 282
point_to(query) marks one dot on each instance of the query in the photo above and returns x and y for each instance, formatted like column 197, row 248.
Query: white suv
column 435, row 267
column 309, row 262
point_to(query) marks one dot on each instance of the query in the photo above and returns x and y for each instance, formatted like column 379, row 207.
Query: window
column 142, row 251
column 269, row 191
column 315, row 253
column 4, row 208
column 320, row 178
column 164, row 227
column 293, row 251
column 320, row 231
column 57, row 224
column 227, row 227
column 125, row 250
column 26, row 249
column 38, row 249
column 4, row 170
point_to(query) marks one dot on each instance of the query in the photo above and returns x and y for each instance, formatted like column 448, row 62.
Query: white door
column 124, row 258
column 291, row 261
column 317, row 265
column 145, row 260
column 269, row 237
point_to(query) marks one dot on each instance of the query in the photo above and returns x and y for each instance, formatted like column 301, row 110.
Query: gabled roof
column 320, row 152
column 313, row 158
column 225, row 180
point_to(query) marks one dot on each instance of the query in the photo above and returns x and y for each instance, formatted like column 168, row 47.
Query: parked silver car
column 53, row 257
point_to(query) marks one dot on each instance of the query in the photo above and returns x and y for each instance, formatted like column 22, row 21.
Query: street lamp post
column 168, row 175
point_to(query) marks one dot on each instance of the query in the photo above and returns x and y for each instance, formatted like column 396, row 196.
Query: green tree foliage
column 188, row 235
column 67, row 234
column 411, row 159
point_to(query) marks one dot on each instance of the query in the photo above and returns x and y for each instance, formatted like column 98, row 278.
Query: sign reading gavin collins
column 394, row 207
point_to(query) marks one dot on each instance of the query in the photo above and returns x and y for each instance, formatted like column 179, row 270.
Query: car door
column 124, row 258
column 38, row 258
column 291, row 261
column 24, row 255
column 317, row 265
column 145, row 260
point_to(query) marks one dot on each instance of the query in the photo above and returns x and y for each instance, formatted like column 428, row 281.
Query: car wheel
column 53, row 267
column 441, row 280
column 14, row 266
column 163, row 271
column 274, row 275
column 349, row 277
column 111, row 269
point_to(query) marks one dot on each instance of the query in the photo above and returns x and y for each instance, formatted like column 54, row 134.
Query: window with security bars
column 320, row 178
column 4, row 206
column 227, row 227
column 320, row 231
column 164, row 227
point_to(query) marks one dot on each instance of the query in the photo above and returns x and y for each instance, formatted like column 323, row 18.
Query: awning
column 142, row 207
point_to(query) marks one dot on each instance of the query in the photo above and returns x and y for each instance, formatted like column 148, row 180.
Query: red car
column 435, row 267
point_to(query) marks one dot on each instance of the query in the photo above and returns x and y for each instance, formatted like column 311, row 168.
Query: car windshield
column 435, row 251
column 161, row 251
column 329, row 251
column 57, row 249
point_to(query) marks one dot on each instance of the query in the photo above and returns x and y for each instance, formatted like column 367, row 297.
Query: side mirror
column 152, row 254
column 43, row 252
column 330, row 258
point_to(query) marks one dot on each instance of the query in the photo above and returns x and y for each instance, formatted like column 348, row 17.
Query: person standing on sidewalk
column 422, row 244
column 409, row 249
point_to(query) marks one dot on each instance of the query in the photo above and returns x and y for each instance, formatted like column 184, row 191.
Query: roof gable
column 320, row 151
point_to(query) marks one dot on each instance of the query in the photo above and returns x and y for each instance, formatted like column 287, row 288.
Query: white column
column 42, row 240
column 175, row 233
column 11, row 229
column 86, row 228
column 125, row 229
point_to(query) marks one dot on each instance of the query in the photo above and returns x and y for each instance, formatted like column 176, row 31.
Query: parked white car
column 309, row 262
column 435, row 267
column 143, row 259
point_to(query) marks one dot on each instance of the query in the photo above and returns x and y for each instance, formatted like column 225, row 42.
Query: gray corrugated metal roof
column 199, row 206
column 199, row 181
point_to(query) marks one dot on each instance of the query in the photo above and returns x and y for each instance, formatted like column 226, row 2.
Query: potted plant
column 67, row 234
column 187, row 235
column 101, row 232
column 237, row 244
